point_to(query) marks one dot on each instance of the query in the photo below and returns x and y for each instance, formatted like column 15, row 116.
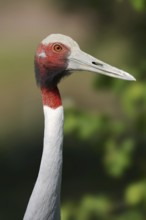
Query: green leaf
column 135, row 193
column 138, row 4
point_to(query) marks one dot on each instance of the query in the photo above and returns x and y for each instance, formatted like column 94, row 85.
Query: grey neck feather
column 44, row 203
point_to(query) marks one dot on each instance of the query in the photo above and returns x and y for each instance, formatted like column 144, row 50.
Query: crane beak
column 79, row 60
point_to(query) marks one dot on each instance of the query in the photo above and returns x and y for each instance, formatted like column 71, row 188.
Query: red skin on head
column 53, row 61
column 50, row 61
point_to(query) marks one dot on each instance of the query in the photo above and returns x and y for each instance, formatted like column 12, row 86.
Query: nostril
column 97, row 64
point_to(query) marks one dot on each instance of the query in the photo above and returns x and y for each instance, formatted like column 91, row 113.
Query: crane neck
column 51, row 97
column 44, row 203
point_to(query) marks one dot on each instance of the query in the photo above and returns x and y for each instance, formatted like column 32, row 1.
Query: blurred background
column 104, row 170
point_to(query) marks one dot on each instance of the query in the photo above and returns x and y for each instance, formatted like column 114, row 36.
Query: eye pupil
column 57, row 48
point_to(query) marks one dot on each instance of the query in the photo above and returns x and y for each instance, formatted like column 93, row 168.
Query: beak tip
column 131, row 78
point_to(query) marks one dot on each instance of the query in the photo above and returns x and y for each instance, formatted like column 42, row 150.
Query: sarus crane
column 57, row 56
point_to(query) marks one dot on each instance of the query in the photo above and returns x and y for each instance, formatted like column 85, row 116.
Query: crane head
column 58, row 55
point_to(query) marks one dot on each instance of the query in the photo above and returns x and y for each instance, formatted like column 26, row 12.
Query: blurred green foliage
column 138, row 4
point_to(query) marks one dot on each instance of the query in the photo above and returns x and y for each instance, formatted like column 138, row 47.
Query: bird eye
column 57, row 47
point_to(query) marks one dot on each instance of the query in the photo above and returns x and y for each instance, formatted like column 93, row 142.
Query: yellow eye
column 57, row 47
